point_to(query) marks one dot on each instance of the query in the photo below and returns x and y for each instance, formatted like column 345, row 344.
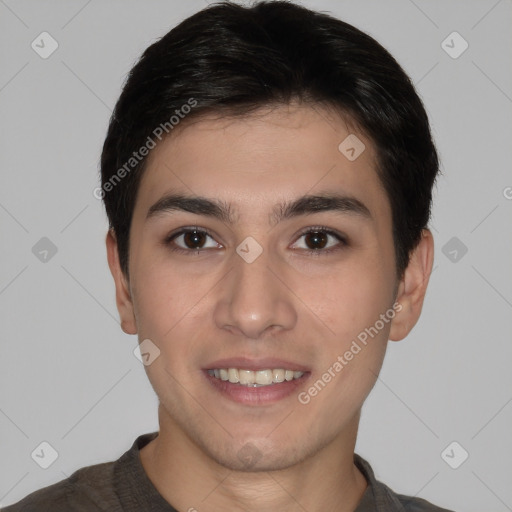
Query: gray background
column 68, row 375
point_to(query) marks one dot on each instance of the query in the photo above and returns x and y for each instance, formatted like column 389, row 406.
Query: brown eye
column 316, row 239
column 319, row 240
column 191, row 241
column 194, row 239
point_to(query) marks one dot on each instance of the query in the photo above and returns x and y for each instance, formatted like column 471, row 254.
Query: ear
column 412, row 287
column 123, row 295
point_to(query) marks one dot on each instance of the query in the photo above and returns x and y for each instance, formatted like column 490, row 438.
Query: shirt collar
column 377, row 497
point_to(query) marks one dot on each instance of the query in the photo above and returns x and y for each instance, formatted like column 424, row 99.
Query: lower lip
column 260, row 395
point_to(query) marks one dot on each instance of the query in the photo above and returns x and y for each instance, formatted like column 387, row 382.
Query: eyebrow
column 304, row 205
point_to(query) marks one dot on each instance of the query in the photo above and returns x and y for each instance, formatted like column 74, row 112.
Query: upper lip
column 245, row 363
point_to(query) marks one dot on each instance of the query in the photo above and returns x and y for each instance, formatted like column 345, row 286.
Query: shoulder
column 379, row 497
column 413, row 504
column 389, row 500
column 87, row 489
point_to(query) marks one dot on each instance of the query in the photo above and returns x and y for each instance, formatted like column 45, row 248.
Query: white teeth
column 255, row 378
column 246, row 377
column 263, row 377
column 278, row 375
column 232, row 375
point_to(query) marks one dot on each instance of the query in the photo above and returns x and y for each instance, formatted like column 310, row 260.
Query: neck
column 190, row 480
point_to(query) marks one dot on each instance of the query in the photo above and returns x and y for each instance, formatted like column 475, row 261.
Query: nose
column 253, row 300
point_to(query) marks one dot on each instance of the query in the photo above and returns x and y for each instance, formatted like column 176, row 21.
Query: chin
column 257, row 455
column 250, row 460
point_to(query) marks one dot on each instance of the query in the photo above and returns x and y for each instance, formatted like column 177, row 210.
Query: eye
column 191, row 240
column 321, row 240
column 317, row 241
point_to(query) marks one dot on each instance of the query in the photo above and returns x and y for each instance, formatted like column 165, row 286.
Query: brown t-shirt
column 123, row 486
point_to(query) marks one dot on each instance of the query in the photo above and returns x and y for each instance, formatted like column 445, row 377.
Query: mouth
column 256, row 382
column 255, row 378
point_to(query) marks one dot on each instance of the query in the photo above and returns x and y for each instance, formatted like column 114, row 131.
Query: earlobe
column 123, row 296
column 412, row 287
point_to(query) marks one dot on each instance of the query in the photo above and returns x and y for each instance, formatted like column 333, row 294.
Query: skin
column 290, row 304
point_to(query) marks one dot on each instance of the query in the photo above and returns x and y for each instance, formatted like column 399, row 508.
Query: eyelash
column 313, row 252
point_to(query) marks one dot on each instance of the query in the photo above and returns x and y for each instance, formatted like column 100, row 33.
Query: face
column 252, row 284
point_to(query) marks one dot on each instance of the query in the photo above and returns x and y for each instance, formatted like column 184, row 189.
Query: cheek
column 161, row 298
column 351, row 299
column 164, row 310
column 351, row 354
column 172, row 310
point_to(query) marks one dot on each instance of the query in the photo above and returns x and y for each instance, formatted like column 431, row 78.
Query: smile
column 258, row 378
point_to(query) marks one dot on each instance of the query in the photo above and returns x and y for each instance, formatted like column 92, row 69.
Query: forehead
column 263, row 159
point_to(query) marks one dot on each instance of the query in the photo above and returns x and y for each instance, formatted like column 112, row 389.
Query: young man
column 267, row 175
